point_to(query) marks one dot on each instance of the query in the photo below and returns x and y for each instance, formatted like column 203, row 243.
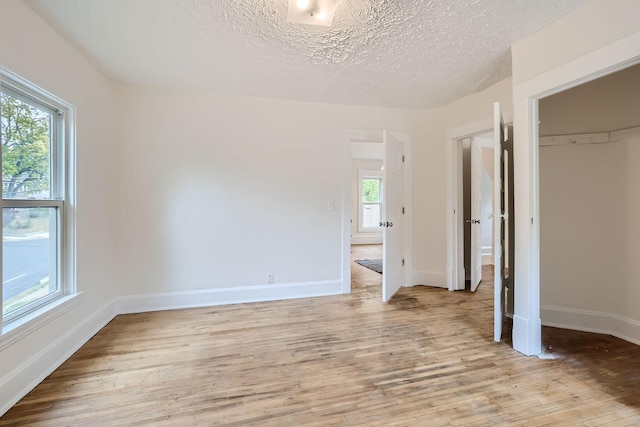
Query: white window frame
column 62, row 196
column 368, row 174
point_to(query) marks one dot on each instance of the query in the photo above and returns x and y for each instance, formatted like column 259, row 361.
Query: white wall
column 588, row 199
column 594, row 25
column 185, row 192
column 31, row 49
column 373, row 237
column 430, row 175
column 487, row 206
column 628, row 304
column 589, row 204
column 486, row 223
column 582, row 226
column 591, row 41
column 216, row 191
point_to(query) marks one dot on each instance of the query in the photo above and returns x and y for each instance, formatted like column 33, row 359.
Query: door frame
column 453, row 206
column 527, row 326
column 481, row 144
column 364, row 135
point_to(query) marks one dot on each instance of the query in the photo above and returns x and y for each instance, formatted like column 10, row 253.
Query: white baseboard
column 526, row 335
column 428, row 278
column 591, row 321
column 222, row 296
column 487, row 255
column 366, row 240
column 23, row 378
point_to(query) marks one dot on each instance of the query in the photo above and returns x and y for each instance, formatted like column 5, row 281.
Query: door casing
column 364, row 135
column 621, row 54
column 454, row 216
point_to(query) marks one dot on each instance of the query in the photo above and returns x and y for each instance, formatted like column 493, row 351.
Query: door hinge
column 403, row 210
column 403, row 159
column 403, row 262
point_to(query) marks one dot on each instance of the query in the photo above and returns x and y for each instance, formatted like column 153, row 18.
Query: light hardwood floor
column 425, row 359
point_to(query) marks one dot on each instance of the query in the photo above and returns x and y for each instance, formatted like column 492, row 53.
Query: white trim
column 36, row 368
column 428, row 278
column 407, row 201
column 362, row 135
column 600, row 62
column 591, row 138
column 487, row 255
column 31, row 322
column 625, row 134
column 63, row 194
column 366, row 240
column 347, row 135
column 357, row 135
column 368, row 174
column 223, row 296
column 585, row 138
column 487, row 259
column 592, row 321
column 453, row 214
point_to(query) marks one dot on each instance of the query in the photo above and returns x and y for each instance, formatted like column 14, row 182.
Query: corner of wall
column 23, row 378
column 592, row 321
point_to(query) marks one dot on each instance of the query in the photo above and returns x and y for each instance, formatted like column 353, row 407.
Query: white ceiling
column 393, row 53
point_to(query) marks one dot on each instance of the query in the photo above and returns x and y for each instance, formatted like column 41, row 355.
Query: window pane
column 370, row 190
column 370, row 216
column 28, row 256
column 25, row 133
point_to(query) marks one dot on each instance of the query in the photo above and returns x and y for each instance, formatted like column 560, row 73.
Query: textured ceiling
column 394, row 53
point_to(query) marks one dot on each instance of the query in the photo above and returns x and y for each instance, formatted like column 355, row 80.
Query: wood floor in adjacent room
column 425, row 359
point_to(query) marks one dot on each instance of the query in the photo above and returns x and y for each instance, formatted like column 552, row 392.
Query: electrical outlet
column 270, row 278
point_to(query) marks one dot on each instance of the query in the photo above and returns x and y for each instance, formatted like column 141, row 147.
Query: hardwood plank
column 425, row 358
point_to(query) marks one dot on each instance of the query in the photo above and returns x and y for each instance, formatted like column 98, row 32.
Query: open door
column 503, row 225
column 498, row 221
column 509, row 236
column 392, row 259
column 476, row 213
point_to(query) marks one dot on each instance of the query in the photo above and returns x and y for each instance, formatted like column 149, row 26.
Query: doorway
column 589, row 146
column 477, row 178
column 366, row 215
column 503, row 242
column 597, row 63
column 378, row 163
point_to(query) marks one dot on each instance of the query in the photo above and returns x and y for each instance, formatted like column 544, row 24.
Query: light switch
column 331, row 205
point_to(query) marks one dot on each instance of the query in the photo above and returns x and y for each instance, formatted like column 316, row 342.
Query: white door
column 391, row 223
column 476, row 213
column 498, row 221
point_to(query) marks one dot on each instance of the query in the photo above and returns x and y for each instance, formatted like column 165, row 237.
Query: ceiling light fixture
column 313, row 12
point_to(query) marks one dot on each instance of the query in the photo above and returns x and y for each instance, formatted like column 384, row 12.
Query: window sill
column 31, row 322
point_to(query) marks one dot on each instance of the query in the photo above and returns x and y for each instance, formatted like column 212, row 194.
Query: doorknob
column 472, row 221
column 389, row 224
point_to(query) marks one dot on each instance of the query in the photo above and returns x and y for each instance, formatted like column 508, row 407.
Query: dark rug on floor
column 371, row 264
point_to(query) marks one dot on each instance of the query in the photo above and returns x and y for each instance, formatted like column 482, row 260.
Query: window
column 370, row 203
column 35, row 267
